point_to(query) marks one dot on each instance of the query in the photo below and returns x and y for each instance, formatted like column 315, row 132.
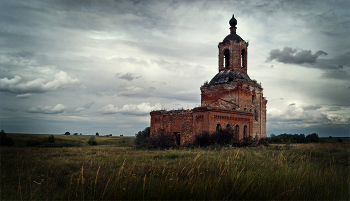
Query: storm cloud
column 294, row 56
column 59, row 108
column 88, row 65
column 40, row 85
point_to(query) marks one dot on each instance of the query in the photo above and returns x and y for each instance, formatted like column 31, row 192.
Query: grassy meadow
column 111, row 171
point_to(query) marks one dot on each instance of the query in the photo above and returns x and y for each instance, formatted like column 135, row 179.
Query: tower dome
column 233, row 36
column 233, row 21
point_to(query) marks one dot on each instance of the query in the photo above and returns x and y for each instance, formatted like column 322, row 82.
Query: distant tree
column 92, row 141
column 97, row 134
column 67, row 133
column 81, row 134
column 312, row 138
column 75, row 134
column 121, row 135
column 340, row 140
column 4, row 140
column 330, row 137
column 51, row 139
column 142, row 137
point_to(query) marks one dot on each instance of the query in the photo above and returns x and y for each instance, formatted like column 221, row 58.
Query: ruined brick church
column 230, row 100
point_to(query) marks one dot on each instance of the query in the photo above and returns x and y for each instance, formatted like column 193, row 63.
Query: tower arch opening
column 226, row 58
column 242, row 58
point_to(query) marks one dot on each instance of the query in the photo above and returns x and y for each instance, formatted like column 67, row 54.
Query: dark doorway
column 218, row 127
column 178, row 138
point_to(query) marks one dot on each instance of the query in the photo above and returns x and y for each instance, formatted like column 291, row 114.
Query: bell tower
column 233, row 51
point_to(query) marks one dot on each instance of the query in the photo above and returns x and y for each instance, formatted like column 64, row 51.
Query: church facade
column 230, row 100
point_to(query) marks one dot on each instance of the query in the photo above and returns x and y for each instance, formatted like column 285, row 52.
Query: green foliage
column 340, row 140
column 92, row 141
column 67, row 133
column 161, row 139
column 32, row 143
column 51, row 139
column 247, row 141
column 206, row 84
column 220, row 137
column 312, row 138
column 264, row 141
column 285, row 138
column 330, row 137
column 6, row 141
column 142, row 137
column 204, row 139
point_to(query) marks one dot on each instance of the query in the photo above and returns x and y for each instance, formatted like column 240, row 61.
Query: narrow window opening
column 253, row 98
column 228, row 127
column 256, row 115
column 245, row 131
column 227, row 58
column 237, row 132
column 242, row 58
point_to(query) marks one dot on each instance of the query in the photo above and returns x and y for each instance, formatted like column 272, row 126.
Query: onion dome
column 233, row 21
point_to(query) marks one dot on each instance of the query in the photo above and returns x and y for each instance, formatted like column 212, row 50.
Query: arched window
column 227, row 58
column 237, row 132
column 218, row 127
column 242, row 58
column 228, row 127
column 256, row 115
column 245, row 131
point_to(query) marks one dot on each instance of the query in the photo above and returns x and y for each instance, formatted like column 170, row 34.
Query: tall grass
column 313, row 171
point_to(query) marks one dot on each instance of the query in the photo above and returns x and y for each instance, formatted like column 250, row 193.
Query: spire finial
column 233, row 21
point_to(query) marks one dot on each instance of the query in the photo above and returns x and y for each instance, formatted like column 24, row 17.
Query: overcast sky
column 102, row 66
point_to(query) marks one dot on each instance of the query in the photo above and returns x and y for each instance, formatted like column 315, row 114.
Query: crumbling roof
column 228, row 75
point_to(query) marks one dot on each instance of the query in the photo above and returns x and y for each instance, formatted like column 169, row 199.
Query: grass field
column 111, row 172
column 74, row 140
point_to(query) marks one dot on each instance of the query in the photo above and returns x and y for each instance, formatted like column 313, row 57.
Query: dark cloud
column 312, row 107
column 10, row 109
column 335, row 108
column 86, row 106
column 127, row 76
column 294, row 56
column 24, row 95
column 59, row 108
column 336, row 74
